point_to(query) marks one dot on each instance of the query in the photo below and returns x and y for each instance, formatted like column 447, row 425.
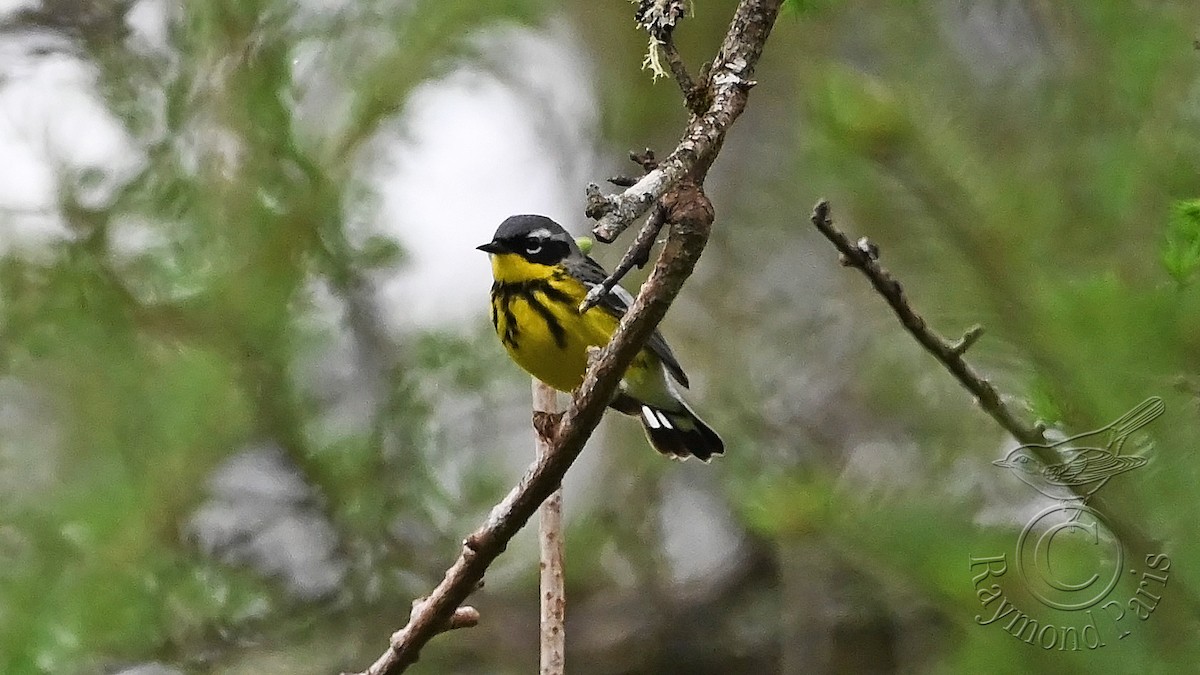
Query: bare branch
column 693, row 93
column 638, row 254
column 728, row 84
column 552, row 580
column 864, row 256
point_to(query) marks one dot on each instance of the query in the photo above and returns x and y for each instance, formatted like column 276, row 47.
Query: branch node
column 868, row 247
column 598, row 203
column 969, row 338
column 463, row 617
column 546, row 424
column 687, row 205
column 623, row 181
column 593, row 354
column 862, row 255
column 399, row 637
column 644, row 159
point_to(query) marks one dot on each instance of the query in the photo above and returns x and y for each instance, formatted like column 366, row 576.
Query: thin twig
column 693, row 94
column 552, row 580
column 863, row 255
column 637, row 255
column 639, row 252
column 969, row 338
column 727, row 87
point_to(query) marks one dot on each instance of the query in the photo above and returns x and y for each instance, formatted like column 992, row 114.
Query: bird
column 1082, row 470
column 540, row 278
column 1082, row 473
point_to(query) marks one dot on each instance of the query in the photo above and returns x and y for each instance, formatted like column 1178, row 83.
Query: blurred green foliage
column 1181, row 250
column 155, row 367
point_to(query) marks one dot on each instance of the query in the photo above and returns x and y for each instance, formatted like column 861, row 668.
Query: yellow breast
column 535, row 312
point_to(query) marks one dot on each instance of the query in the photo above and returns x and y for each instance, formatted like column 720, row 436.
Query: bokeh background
column 250, row 402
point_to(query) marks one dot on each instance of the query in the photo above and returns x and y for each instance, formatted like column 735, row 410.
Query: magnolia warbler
column 541, row 277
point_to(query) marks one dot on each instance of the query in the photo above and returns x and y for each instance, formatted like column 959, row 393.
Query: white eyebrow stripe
column 540, row 233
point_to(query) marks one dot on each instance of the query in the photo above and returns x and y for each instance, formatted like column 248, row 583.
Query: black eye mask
column 540, row 251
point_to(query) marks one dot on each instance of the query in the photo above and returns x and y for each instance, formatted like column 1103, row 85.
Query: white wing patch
column 656, row 419
column 625, row 296
column 650, row 417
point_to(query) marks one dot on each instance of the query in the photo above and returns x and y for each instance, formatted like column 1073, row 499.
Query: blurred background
column 250, row 402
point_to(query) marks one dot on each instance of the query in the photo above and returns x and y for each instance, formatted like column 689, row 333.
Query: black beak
column 491, row 247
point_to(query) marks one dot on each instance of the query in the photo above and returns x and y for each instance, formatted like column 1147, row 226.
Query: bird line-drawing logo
column 1067, row 556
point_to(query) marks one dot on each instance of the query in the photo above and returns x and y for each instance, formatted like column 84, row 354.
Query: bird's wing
column 1092, row 464
column 616, row 302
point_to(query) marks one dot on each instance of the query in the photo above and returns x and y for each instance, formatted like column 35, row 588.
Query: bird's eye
column 533, row 248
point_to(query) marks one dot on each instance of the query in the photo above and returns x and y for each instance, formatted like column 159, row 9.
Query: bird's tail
column 679, row 433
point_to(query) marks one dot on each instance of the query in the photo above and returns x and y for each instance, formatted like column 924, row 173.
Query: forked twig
column 864, row 256
column 637, row 255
